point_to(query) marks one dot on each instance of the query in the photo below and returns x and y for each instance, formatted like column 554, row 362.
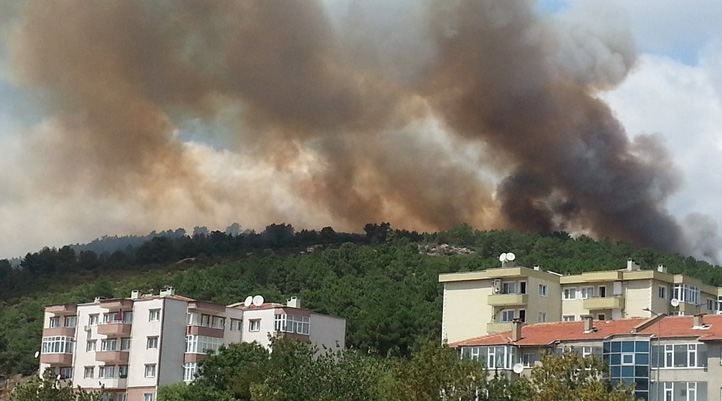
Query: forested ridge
column 384, row 282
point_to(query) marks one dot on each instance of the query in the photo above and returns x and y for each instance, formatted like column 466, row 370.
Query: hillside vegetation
column 379, row 281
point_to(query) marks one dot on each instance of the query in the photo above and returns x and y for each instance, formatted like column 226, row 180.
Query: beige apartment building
column 488, row 301
column 130, row 346
column 667, row 358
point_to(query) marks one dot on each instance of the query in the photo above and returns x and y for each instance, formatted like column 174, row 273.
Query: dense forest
column 384, row 281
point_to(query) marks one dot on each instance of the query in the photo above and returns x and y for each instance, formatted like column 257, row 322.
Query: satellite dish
column 502, row 257
column 248, row 301
column 59, row 377
column 510, row 257
column 674, row 302
column 37, row 354
column 257, row 300
column 518, row 368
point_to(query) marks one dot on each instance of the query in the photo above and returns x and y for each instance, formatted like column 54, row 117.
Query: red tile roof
column 546, row 333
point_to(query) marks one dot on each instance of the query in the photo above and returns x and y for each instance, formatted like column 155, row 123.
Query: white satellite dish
column 674, row 302
column 257, row 300
column 37, row 354
column 518, row 368
column 502, row 257
column 510, row 257
column 248, row 301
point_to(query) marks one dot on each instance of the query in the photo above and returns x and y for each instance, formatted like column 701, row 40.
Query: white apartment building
column 130, row 346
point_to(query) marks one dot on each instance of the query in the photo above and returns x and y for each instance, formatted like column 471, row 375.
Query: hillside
column 380, row 282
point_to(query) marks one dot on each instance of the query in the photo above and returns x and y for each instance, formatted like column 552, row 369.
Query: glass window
column 568, row 318
column 522, row 287
column 254, row 325
column 124, row 344
column 570, row 293
column 542, row 317
column 602, row 291
column 123, row 371
column 106, row 372
column 93, row 319
column 508, row 287
column 89, row 372
column 189, row 371
column 148, row 397
column 149, row 370
column 236, row 325
column 109, row 345
column 71, row 321
column 90, row 346
column 66, row 373
column 54, row 322
column 57, row 345
column 154, row 315
column 587, row 292
column 662, row 291
column 543, row 290
column 507, row 315
column 151, row 342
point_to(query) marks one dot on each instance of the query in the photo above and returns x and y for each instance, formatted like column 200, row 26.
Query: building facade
column 130, row 346
column 667, row 358
column 486, row 302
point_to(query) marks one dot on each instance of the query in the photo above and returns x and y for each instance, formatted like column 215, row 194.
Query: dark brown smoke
column 414, row 123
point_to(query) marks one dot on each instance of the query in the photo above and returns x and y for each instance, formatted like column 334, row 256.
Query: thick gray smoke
column 427, row 114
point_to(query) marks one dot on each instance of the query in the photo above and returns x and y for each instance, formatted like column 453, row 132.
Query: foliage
column 570, row 376
column 50, row 389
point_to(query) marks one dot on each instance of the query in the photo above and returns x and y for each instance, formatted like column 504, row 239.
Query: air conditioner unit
column 497, row 286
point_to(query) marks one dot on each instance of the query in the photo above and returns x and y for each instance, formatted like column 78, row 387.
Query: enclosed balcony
column 112, row 357
column 508, row 299
column 599, row 303
column 205, row 331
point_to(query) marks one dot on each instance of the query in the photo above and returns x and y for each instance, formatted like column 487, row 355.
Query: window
column 151, row 342
column 106, row 372
column 570, row 293
column 236, row 325
column 522, row 287
column 587, row 292
column 121, row 397
column 686, row 293
column 522, row 315
column 602, row 291
column 292, row 324
column 254, row 325
column 189, row 371
column 89, row 372
column 93, row 319
column 66, row 373
column 662, row 291
column 507, row 315
column 543, row 290
column 528, row 360
column 679, row 356
column 202, row 344
column 54, row 322
column 57, row 345
column 118, row 317
column 90, row 346
column 124, row 344
column 628, row 358
column 150, row 370
column 681, row 391
column 568, row 318
column 148, row 397
column 602, row 317
column 123, row 371
column 218, row 322
column 496, row 357
column 710, row 304
column 542, row 317
column 110, row 344
column 628, row 362
column 508, row 287
column 154, row 315
column 71, row 321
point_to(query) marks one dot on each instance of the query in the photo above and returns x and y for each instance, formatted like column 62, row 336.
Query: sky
column 207, row 170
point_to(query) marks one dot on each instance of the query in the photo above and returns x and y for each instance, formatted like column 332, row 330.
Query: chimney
column 293, row 302
column 588, row 323
column 167, row 291
column 662, row 269
column 537, row 267
column 516, row 330
column 135, row 294
column 632, row 266
column 698, row 320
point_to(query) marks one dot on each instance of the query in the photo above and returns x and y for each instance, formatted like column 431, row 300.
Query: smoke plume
column 425, row 114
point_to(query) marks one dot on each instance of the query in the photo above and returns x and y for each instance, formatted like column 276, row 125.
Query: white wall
column 327, row 331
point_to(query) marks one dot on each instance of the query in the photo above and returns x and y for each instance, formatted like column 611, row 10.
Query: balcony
column 498, row 327
column 194, row 358
column 114, row 329
column 116, row 304
column 508, row 299
column 205, row 331
column 63, row 309
column 112, row 357
column 57, row 359
column 209, row 307
column 687, row 309
column 59, row 331
column 114, row 383
column 598, row 303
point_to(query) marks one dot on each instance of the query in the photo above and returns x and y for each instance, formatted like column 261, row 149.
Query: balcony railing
column 112, row 356
column 114, row 328
column 599, row 303
column 57, row 359
column 508, row 299
column 498, row 327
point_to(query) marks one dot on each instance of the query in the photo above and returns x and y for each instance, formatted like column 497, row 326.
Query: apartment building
column 130, row 346
column 667, row 358
column 487, row 302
